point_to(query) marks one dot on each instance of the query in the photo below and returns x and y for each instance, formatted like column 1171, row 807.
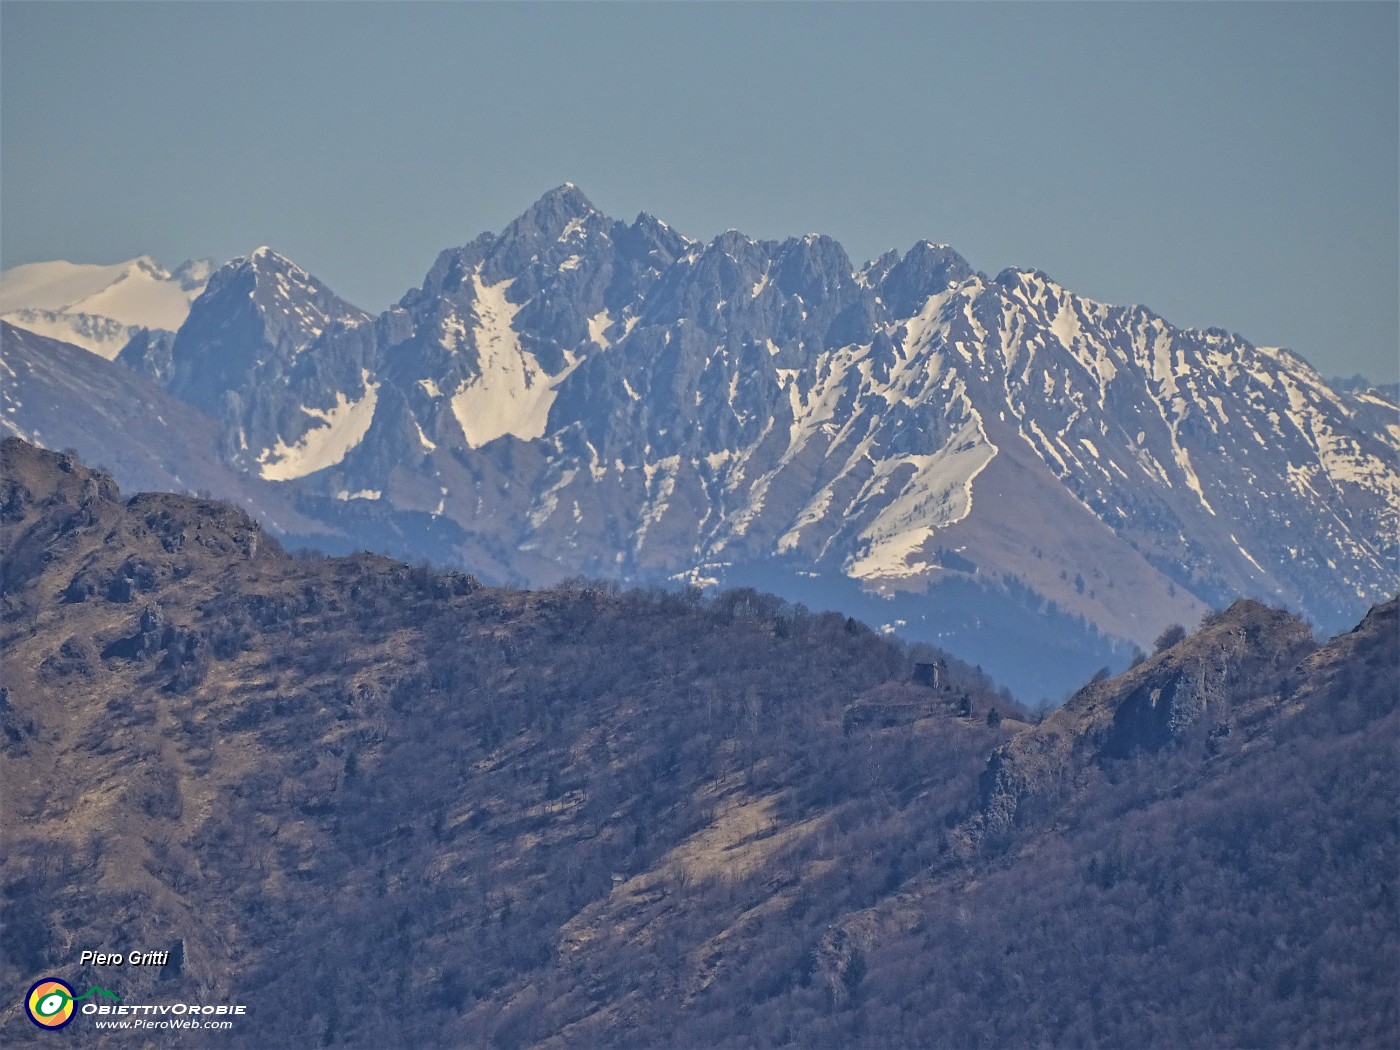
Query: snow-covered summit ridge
column 280, row 289
column 100, row 307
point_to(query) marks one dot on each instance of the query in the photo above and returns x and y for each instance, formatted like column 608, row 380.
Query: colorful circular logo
column 49, row 1003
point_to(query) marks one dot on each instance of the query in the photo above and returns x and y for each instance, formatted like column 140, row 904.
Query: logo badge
column 49, row 1003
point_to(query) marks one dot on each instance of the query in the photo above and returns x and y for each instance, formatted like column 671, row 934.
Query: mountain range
column 1032, row 479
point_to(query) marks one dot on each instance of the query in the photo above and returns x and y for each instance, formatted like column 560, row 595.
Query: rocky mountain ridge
column 744, row 400
column 583, row 395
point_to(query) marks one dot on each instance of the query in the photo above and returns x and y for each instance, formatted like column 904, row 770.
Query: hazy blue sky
column 1225, row 164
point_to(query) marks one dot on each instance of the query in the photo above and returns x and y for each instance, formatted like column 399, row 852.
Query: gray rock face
column 582, row 395
column 148, row 352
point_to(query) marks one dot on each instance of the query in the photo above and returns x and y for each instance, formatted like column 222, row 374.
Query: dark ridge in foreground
column 384, row 806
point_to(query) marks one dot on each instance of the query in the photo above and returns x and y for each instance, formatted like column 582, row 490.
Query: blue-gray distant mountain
column 992, row 461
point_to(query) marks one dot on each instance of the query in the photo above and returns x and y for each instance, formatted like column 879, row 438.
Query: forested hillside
column 386, row 806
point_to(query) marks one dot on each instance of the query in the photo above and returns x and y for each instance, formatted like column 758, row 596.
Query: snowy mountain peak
column 256, row 314
column 99, row 307
column 265, row 260
column 551, row 217
column 906, row 283
column 566, row 196
column 275, row 279
column 59, row 284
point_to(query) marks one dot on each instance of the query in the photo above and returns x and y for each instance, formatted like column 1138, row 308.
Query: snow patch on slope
column 511, row 394
column 99, row 335
column 938, row 493
column 341, row 429
column 597, row 326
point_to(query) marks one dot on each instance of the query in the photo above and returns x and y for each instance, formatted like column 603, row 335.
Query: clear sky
column 1224, row 164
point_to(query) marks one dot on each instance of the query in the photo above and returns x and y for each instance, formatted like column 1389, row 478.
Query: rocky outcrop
column 1191, row 693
